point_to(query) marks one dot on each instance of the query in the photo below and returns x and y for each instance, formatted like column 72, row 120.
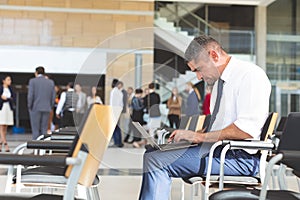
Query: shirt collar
column 228, row 69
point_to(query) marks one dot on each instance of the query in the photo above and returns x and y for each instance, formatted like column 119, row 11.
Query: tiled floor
column 120, row 173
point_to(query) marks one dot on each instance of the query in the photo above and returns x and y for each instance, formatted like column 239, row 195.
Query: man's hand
column 58, row 116
column 191, row 136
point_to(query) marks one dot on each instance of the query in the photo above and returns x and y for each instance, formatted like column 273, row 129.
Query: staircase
column 170, row 8
column 175, row 40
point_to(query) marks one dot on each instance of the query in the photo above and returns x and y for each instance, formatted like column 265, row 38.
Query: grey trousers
column 39, row 123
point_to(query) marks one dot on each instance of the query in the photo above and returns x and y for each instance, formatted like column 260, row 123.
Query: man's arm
column 61, row 103
column 232, row 132
column 30, row 96
column 53, row 95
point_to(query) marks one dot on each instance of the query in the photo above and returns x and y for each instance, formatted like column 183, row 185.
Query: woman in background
column 6, row 109
column 174, row 104
column 137, row 106
column 55, row 119
column 206, row 101
column 93, row 98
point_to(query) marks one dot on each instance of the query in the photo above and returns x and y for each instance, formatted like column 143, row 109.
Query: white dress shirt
column 62, row 101
column 245, row 98
column 116, row 97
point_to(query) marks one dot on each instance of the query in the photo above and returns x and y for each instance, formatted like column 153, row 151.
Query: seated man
column 239, row 107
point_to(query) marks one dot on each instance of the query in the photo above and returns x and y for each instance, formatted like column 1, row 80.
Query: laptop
column 162, row 147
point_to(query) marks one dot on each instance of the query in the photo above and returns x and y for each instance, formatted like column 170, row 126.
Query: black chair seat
column 37, row 197
column 244, row 194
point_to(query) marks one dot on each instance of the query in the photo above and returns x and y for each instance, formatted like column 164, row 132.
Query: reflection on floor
column 120, row 173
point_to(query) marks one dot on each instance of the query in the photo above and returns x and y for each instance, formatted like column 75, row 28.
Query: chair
column 267, row 131
column 280, row 127
column 99, row 123
column 196, row 122
column 288, row 153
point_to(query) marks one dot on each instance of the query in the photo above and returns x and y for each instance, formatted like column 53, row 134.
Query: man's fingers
column 172, row 136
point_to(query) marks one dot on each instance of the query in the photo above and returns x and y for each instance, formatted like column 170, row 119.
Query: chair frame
column 77, row 162
column 84, row 138
column 230, row 144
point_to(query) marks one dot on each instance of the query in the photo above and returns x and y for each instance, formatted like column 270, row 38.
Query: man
column 67, row 105
column 242, row 108
column 81, row 104
column 116, row 99
column 40, row 99
column 151, row 102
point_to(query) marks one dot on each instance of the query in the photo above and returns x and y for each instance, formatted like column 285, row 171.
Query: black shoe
column 120, row 145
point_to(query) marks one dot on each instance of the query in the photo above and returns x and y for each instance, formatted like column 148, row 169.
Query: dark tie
column 217, row 105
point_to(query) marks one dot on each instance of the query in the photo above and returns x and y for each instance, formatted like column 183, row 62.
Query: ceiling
column 229, row 2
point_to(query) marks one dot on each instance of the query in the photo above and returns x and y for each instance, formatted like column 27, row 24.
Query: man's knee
column 151, row 160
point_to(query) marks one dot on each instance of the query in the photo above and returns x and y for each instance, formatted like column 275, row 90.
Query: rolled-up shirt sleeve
column 253, row 103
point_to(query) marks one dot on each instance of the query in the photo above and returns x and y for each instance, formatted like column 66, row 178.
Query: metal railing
column 234, row 41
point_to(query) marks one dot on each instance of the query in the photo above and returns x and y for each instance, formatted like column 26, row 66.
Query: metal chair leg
column 281, row 177
column 92, row 193
column 182, row 190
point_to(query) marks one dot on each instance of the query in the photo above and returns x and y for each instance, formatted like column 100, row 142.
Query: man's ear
column 214, row 55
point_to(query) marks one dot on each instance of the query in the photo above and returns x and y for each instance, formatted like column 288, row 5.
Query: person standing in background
column 66, row 106
column 55, row 119
column 192, row 104
column 124, row 118
column 93, row 98
column 116, row 99
column 130, row 95
column 81, row 104
column 137, row 116
column 151, row 102
column 206, row 101
column 7, row 101
column 174, row 104
column 40, row 99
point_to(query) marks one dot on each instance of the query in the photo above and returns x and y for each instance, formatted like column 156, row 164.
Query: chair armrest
column 64, row 133
column 251, row 144
column 58, row 136
column 290, row 154
column 50, row 145
column 62, row 137
column 49, row 160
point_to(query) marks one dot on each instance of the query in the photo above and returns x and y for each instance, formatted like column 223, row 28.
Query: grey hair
column 197, row 45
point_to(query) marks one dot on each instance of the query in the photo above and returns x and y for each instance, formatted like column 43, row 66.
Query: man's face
column 205, row 69
column 129, row 91
column 119, row 86
column 77, row 88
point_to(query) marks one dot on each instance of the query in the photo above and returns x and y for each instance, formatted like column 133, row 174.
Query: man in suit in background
column 40, row 99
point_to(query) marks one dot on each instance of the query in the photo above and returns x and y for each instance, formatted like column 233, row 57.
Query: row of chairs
column 95, row 124
column 66, row 161
column 264, row 146
column 287, row 153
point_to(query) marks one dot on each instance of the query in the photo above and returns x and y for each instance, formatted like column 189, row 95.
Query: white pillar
column 138, row 70
column 261, row 35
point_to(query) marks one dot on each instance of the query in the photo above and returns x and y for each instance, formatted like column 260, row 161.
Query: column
column 261, row 35
column 138, row 70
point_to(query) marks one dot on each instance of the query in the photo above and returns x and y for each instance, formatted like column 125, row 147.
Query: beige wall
column 86, row 30
column 68, row 29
